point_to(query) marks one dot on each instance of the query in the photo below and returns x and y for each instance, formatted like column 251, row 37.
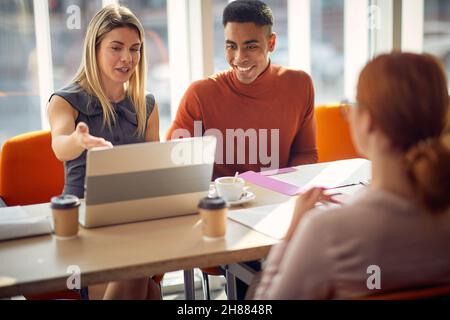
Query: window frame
column 190, row 32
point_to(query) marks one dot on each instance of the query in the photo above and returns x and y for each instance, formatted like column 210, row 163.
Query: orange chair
column 436, row 292
column 333, row 134
column 30, row 174
column 29, row 171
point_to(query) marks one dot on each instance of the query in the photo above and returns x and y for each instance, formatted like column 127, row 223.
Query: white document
column 272, row 220
column 329, row 174
column 16, row 223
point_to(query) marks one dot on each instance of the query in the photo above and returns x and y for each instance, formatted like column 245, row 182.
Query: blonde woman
column 105, row 105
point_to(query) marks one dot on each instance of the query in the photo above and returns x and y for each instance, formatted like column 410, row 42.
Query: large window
column 67, row 35
column 322, row 34
column 19, row 97
column 153, row 16
column 219, row 41
column 327, row 49
column 437, row 30
column 281, row 54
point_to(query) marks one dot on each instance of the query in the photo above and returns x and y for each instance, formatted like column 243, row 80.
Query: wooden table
column 40, row 264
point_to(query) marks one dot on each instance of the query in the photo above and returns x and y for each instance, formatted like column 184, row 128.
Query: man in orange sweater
column 262, row 114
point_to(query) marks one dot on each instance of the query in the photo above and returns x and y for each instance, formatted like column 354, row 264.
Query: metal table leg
column 189, row 287
column 231, row 285
column 240, row 271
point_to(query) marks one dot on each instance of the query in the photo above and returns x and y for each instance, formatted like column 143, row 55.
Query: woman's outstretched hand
column 86, row 141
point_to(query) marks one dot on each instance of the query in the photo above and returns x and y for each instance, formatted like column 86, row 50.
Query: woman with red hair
column 396, row 234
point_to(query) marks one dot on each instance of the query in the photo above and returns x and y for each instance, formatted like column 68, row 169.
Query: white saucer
column 246, row 197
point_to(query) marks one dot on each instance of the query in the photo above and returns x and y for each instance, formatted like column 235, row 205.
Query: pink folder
column 276, row 171
column 269, row 183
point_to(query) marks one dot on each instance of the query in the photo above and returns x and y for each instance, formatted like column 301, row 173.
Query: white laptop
column 146, row 181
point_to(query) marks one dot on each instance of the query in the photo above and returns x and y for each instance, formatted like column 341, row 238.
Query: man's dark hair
column 248, row 11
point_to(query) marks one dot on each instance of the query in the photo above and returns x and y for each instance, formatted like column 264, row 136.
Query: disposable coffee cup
column 230, row 188
column 65, row 215
column 213, row 213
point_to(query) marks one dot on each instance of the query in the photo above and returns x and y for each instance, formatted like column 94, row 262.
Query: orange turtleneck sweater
column 267, row 124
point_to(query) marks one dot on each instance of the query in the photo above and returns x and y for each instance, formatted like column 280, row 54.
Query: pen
column 334, row 194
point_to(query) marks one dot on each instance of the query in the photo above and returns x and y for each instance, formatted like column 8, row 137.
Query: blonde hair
column 88, row 75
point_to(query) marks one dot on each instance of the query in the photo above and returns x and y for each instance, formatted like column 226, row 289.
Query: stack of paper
column 292, row 181
column 328, row 174
column 274, row 220
column 16, row 223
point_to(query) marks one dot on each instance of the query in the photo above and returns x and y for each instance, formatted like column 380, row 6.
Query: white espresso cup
column 230, row 188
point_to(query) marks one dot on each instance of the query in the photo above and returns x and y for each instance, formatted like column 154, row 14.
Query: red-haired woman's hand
column 305, row 202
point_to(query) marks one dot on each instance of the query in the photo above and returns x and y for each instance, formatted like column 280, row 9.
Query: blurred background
column 21, row 106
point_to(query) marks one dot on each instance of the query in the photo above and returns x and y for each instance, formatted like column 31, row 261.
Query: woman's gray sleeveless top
column 123, row 131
